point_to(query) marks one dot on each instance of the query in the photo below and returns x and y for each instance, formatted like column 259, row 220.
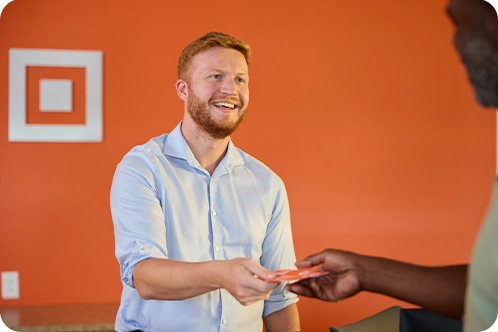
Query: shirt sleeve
column 138, row 219
column 278, row 248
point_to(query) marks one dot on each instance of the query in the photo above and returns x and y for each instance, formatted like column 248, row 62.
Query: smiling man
column 199, row 224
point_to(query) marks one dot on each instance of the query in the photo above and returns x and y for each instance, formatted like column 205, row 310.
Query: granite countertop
column 67, row 328
column 69, row 318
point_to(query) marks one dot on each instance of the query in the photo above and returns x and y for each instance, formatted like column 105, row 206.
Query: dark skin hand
column 440, row 289
column 341, row 282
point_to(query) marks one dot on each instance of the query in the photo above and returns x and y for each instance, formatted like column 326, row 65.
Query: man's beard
column 217, row 129
column 481, row 59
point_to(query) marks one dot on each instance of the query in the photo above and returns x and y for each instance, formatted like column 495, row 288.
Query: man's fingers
column 300, row 289
column 252, row 297
column 317, row 291
column 257, row 284
column 312, row 260
column 258, row 271
column 303, row 264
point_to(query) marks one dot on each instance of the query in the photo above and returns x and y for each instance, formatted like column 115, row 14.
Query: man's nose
column 228, row 87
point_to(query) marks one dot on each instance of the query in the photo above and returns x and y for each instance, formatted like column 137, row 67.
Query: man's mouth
column 225, row 105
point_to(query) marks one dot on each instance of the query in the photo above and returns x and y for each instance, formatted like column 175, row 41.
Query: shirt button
column 224, row 321
column 214, row 213
column 217, row 248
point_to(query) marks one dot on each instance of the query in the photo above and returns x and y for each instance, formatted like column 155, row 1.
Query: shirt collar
column 176, row 146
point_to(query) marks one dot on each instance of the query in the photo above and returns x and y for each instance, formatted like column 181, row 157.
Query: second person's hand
column 343, row 280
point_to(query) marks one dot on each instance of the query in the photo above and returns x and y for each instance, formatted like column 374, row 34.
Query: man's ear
column 182, row 89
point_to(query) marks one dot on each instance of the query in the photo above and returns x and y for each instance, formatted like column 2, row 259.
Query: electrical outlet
column 10, row 285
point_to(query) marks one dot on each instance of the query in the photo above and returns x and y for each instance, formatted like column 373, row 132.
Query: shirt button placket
column 214, row 221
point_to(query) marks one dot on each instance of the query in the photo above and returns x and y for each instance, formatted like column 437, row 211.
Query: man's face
column 476, row 39
column 218, row 91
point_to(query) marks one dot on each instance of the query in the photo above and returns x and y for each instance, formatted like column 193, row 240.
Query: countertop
column 68, row 318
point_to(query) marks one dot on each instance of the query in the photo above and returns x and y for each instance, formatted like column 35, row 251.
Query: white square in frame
column 56, row 95
column 20, row 130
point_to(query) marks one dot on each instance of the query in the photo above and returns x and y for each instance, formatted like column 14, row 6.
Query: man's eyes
column 237, row 79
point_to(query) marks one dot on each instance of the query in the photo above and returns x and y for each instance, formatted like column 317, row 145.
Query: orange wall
column 362, row 107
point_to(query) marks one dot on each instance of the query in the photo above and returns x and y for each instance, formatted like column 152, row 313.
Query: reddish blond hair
column 209, row 40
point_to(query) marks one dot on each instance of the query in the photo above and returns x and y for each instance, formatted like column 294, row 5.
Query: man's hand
column 343, row 280
column 244, row 279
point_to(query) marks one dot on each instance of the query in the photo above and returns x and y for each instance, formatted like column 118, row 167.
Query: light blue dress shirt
column 165, row 205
